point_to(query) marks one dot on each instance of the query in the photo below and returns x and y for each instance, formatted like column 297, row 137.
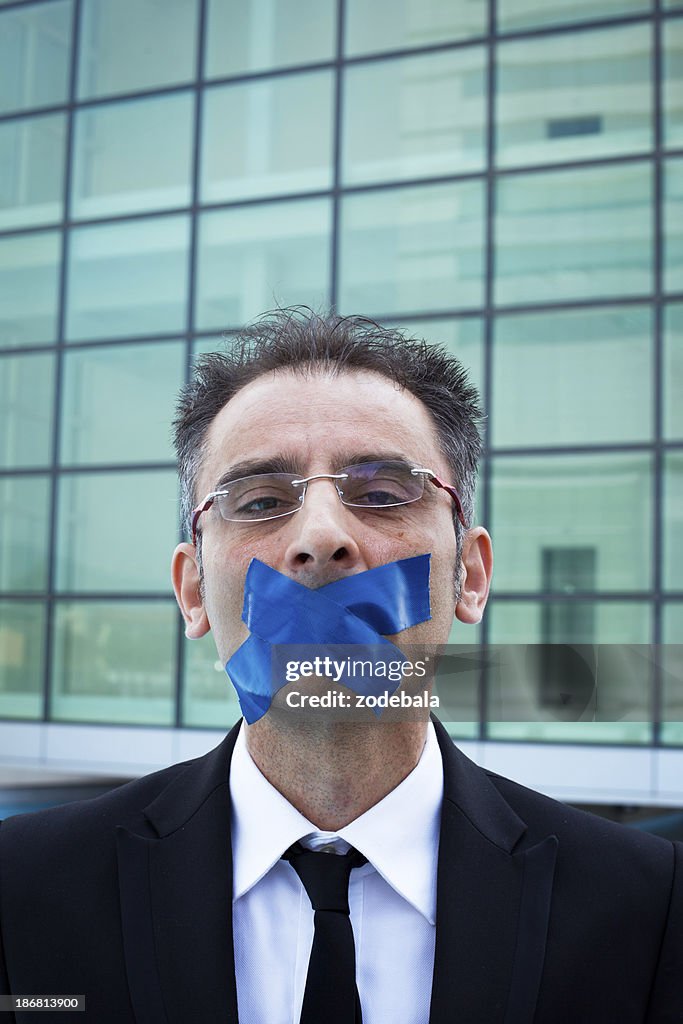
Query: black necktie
column 330, row 994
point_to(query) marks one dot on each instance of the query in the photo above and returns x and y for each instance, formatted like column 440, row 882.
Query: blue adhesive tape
column 360, row 609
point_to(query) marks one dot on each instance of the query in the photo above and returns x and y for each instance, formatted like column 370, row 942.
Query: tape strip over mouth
column 361, row 609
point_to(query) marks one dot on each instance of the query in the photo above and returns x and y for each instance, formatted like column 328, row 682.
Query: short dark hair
column 298, row 339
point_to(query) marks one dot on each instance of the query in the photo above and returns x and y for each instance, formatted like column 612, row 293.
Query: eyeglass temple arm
column 454, row 495
column 196, row 512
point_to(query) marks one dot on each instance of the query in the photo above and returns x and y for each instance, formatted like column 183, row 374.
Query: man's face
column 320, row 424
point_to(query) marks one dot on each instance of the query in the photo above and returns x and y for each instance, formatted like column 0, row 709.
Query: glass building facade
column 503, row 177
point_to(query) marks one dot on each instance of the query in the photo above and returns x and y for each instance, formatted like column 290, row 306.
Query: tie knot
column 325, row 876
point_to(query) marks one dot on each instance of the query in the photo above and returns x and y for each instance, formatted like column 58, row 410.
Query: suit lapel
column 175, row 879
column 493, row 902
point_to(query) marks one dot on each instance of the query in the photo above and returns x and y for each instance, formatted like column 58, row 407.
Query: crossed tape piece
column 360, row 609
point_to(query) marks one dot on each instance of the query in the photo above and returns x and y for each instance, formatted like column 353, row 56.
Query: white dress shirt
column 392, row 897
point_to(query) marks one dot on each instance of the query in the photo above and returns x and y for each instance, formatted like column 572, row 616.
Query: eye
column 380, row 485
column 377, row 498
column 258, row 497
column 267, row 503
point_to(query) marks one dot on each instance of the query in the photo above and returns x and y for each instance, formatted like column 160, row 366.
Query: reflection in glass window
column 673, row 225
column 597, row 503
column 32, row 179
column 412, row 249
column 414, row 117
column 114, row 661
column 253, row 258
column 128, row 45
column 26, row 397
column 673, row 82
column 574, row 234
column 514, row 14
column 118, row 402
column 128, row 279
column 672, row 674
column 257, row 36
column 209, row 698
column 673, row 371
column 22, row 659
column 35, row 45
column 106, row 180
column 252, row 139
column 29, row 290
column 398, row 24
column 579, row 377
column 550, row 682
column 116, row 531
column 673, row 521
column 576, row 95
column 24, row 516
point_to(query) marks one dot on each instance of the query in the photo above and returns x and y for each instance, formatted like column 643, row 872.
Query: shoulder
column 541, row 812
column 592, row 852
column 79, row 834
column 181, row 787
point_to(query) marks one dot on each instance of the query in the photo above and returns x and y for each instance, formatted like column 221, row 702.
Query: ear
column 185, row 577
column 476, row 572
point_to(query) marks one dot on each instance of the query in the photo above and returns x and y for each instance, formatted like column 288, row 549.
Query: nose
column 322, row 532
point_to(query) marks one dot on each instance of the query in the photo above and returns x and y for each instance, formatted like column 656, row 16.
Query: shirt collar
column 399, row 835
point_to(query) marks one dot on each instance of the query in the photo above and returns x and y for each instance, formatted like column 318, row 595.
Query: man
column 320, row 460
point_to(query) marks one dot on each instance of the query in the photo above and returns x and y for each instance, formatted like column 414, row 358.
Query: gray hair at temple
column 300, row 340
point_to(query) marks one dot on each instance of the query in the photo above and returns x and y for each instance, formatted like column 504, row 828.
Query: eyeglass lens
column 269, row 495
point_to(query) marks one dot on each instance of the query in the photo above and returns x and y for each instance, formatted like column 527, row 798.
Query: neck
column 334, row 772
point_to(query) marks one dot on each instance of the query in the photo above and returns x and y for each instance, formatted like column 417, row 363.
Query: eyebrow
column 250, row 467
column 288, row 464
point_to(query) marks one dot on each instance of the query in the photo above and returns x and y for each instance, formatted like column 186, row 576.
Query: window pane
column 252, row 258
column 673, row 521
column 26, row 396
column 107, row 181
column 24, row 516
column 574, row 234
column 673, row 371
column 673, row 225
column 116, row 531
column 253, row 144
column 114, row 662
column 530, row 13
column 32, row 179
column 128, row 45
column 596, row 508
column 412, row 249
column 538, row 691
column 118, row 403
column 673, row 83
column 463, row 338
column 394, row 24
column 29, row 288
column 209, row 698
column 672, row 675
column 584, row 94
column 22, row 659
column 128, row 279
column 414, row 117
column 260, row 35
column 35, row 44
column 573, row 378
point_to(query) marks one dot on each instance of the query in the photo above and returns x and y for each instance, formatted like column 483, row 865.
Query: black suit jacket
column 544, row 913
